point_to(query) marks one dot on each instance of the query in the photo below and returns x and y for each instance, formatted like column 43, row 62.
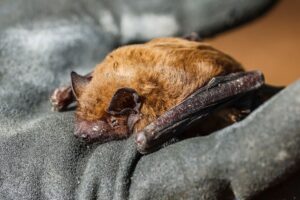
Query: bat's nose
column 87, row 137
column 81, row 135
column 91, row 131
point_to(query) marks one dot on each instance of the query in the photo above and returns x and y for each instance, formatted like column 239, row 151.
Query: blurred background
column 270, row 43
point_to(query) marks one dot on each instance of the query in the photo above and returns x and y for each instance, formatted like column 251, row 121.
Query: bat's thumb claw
column 140, row 140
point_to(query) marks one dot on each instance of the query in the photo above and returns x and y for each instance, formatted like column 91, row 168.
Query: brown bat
column 155, row 90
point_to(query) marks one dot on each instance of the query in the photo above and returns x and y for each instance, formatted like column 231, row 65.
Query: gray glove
column 42, row 41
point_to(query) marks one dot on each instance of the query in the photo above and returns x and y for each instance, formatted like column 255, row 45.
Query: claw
column 61, row 98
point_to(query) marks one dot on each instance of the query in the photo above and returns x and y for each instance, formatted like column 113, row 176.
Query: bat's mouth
column 220, row 91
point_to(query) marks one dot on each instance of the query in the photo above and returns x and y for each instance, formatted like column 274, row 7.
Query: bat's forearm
column 214, row 95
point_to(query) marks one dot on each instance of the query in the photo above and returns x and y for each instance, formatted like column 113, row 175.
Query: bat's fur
column 163, row 71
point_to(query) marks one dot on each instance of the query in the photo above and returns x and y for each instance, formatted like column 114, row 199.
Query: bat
column 155, row 91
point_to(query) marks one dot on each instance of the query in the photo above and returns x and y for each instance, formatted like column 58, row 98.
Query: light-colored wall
column 271, row 43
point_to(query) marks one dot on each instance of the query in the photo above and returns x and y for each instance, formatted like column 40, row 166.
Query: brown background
column 270, row 44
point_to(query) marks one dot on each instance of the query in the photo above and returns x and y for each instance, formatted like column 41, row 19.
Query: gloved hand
column 42, row 41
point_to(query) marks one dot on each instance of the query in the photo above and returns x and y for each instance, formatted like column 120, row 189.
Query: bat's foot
column 61, row 98
column 193, row 36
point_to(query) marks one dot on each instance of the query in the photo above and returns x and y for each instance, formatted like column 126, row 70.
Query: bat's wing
column 220, row 91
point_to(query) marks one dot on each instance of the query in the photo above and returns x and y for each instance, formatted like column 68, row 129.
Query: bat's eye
column 114, row 122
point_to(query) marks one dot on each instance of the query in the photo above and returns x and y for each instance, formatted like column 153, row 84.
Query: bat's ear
column 125, row 101
column 78, row 84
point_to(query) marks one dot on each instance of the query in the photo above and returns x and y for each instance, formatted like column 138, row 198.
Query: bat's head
column 115, row 122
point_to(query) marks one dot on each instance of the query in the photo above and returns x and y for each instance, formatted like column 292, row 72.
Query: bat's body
column 136, row 84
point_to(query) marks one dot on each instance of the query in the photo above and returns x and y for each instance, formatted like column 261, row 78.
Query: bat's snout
column 91, row 131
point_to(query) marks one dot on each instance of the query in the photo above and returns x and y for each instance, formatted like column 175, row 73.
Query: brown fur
column 163, row 72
